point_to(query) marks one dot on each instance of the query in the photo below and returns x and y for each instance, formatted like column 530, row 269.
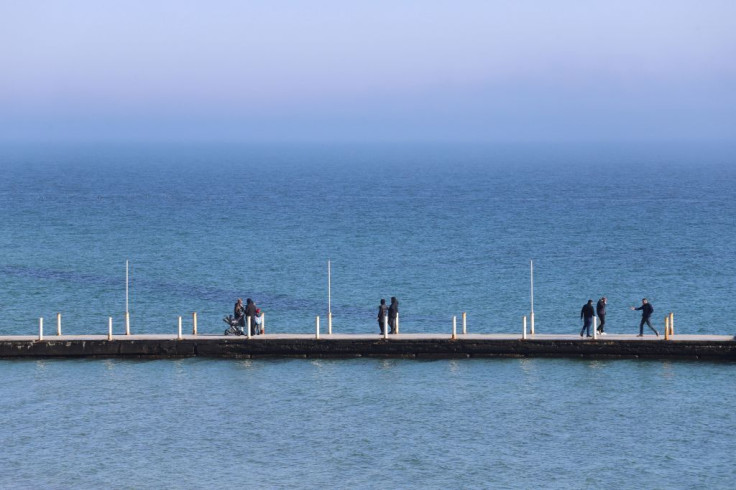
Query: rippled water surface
column 446, row 229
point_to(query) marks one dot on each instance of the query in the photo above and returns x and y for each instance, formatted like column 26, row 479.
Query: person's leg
column 641, row 327
column 602, row 318
column 650, row 326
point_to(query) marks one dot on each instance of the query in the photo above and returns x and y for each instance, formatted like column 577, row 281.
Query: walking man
column 600, row 309
column 587, row 314
column 382, row 312
column 646, row 312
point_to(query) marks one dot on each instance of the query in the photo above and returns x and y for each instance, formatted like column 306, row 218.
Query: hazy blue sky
column 486, row 70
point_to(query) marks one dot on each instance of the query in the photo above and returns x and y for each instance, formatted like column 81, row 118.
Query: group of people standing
column 391, row 311
column 241, row 313
column 588, row 312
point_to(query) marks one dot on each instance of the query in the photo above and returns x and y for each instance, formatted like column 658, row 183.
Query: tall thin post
column 397, row 323
column 385, row 326
column 531, row 267
column 316, row 327
column 127, row 323
column 40, row 328
column 595, row 327
column 249, row 326
column 667, row 327
column 109, row 328
column 454, row 327
column 178, row 336
column 465, row 323
column 58, row 324
column 263, row 323
column 194, row 323
column 329, row 297
column 523, row 332
column 672, row 324
column 126, row 287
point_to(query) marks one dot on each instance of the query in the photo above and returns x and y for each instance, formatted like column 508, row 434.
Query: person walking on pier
column 600, row 309
column 646, row 312
column 250, row 311
column 587, row 314
column 382, row 312
column 393, row 314
column 239, row 313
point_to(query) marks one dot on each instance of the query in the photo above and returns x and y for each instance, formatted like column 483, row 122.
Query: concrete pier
column 418, row 346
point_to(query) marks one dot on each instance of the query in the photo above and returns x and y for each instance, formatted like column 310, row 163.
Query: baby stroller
column 234, row 327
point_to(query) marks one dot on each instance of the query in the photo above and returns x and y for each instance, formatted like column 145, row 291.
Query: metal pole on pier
column 531, row 266
column 109, row 327
column 397, row 323
column 595, row 327
column 178, row 336
column 58, row 324
column 40, row 328
column 249, row 326
column 465, row 323
column 385, row 326
column 329, row 298
column 666, row 327
column 263, row 323
column 127, row 309
column 194, row 323
column 672, row 324
column 316, row 327
column 454, row 327
column 523, row 332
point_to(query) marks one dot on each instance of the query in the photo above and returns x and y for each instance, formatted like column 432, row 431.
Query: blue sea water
column 446, row 229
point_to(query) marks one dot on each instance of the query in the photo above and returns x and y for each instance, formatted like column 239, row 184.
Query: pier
column 411, row 346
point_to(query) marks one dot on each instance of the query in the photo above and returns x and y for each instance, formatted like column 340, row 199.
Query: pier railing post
column 58, row 324
column 385, row 326
column 194, row 323
column 249, row 326
column 454, row 327
column 329, row 323
column 40, row 328
column 667, row 327
column 109, row 328
column 595, row 327
column 316, row 327
column 127, row 323
column 672, row 324
column 178, row 336
column 523, row 332
column 532, row 323
column 397, row 323
column 465, row 323
column 263, row 323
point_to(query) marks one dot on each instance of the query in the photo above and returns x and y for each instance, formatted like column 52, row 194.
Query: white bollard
column 523, row 332
column 385, row 326
column 532, row 323
column 316, row 326
column 40, row 328
column 127, row 323
column 454, row 327
column 397, row 323
column 329, row 323
column 465, row 323
column 263, row 324
column 58, row 324
column 595, row 327
column 194, row 323
column 109, row 328
column 249, row 324
column 178, row 336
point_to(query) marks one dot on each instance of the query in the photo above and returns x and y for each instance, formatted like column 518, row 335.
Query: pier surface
column 420, row 346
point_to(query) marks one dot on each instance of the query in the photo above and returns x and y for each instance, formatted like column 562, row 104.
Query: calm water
column 445, row 229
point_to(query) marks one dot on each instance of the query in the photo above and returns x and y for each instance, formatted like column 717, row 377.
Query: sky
column 358, row 70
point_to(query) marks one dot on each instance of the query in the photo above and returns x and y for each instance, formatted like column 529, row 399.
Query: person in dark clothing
column 587, row 314
column 382, row 312
column 393, row 314
column 646, row 312
column 239, row 312
column 250, row 311
column 600, row 309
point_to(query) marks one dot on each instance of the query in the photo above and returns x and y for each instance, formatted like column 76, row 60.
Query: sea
column 303, row 229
